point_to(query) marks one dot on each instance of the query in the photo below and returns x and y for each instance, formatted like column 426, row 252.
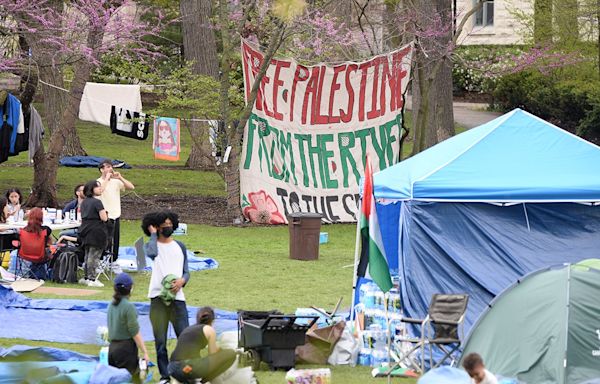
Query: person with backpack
column 93, row 234
column 170, row 262
column 124, row 333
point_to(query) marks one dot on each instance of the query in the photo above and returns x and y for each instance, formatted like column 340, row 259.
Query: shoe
column 83, row 281
column 95, row 283
column 116, row 268
column 164, row 381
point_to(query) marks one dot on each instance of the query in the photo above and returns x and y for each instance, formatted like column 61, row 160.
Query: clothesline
column 105, row 103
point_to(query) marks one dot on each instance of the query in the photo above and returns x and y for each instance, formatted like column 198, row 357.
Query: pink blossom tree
column 57, row 37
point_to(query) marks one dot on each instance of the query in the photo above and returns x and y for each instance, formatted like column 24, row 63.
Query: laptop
column 140, row 256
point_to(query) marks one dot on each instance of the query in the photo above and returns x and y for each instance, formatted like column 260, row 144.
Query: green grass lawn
column 255, row 271
column 98, row 141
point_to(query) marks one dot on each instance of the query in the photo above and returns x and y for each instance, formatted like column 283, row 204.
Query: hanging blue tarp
column 481, row 249
column 478, row 211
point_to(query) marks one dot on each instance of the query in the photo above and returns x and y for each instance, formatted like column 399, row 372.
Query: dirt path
column 191, row 209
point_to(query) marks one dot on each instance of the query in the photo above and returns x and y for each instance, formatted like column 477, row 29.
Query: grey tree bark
column 61, row 110
column 542, row 22
column 199, row 47
column 432, row 78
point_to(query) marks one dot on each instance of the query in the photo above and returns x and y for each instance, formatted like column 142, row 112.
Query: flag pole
column 356, row 256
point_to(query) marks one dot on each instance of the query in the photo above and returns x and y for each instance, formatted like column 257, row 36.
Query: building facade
column 494, row 24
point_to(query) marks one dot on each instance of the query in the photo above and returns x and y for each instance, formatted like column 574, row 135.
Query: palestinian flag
column 372, row 252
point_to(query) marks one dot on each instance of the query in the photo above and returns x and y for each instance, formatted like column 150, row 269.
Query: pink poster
column 166, row 138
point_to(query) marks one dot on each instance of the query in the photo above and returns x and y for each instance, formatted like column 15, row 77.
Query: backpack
column 64, row 269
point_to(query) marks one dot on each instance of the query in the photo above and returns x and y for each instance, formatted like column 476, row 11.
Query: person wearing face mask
column 170, row 267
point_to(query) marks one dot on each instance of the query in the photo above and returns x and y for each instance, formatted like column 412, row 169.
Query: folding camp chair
column 105, row 266
column 31, row 248
column 441, row 328
column 140, row 255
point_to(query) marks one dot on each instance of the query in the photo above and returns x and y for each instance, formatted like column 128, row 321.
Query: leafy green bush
column 478, row 68
column 573, row 105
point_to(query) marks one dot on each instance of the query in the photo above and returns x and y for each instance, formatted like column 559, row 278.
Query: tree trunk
column 598, row 26
column 198, row 37
column 201, row 153
column 542, row 22
column 72, row 145
column 433, row 115
column 199, row 47
column 566, row 15
column 66, row 107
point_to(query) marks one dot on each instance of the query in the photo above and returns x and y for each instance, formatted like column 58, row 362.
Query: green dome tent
column 545, row 328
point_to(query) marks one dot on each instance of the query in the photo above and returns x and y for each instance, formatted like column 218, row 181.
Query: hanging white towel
column 98, row 98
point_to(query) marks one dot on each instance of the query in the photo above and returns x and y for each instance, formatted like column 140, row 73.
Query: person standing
column 112, row 184
column 124, row 330
column 170, row 273
column 92, row 232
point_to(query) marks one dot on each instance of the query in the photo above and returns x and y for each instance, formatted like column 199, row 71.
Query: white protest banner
column 310, row 130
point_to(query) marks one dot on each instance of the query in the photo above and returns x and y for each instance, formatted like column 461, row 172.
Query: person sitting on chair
column 35, row 239
column 73, row 205
column 186, row 365
column 473, row 364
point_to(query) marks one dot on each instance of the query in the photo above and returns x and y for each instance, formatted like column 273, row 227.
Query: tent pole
column 356, row 256
column 567, row 307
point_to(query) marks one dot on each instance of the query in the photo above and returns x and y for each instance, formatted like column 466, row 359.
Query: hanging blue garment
column 11, row 111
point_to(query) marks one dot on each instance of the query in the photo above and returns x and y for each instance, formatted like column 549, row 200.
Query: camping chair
column 31, row 247
column 140, row 255
column 105, row 266
column 442, row 328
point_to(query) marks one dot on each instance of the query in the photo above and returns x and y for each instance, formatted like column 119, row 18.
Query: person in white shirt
column 113, row 183
column 473, row 364
column 170, row 273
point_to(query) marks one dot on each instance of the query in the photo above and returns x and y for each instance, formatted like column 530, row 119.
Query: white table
column 53, row 227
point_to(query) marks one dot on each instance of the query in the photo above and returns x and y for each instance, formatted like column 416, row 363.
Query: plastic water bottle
column 103, row 355
column 370, row 297
column 143, row 364
column 364, row 357
column 102, row 335
column 378, row 357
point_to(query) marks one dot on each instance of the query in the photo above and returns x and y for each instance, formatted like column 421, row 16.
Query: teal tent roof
column 544, row 329
column 516, row 157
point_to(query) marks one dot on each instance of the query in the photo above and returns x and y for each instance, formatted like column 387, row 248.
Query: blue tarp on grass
column 75, row 321
column 89, row 161
column 128, row 261
column 20, row 362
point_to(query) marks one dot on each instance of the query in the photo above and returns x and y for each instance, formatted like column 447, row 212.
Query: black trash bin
column 305, row 228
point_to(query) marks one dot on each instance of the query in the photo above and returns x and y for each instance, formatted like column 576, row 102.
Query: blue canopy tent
column 478, row 211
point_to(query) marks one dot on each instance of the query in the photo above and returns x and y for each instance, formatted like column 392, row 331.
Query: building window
column 485, row 15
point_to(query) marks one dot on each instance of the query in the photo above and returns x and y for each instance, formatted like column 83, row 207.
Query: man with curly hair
column 170, row 273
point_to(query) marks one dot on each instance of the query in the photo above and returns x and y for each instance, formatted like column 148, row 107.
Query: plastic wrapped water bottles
column 364, row 356
column 308, row 376
column 102, row 335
